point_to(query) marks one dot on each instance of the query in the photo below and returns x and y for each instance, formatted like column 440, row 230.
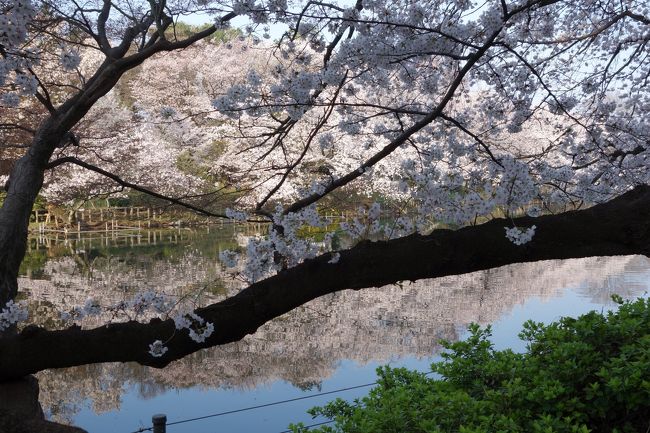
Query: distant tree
column 465, row 112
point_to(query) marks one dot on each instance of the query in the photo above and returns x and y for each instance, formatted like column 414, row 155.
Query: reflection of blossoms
column 228, row 258
column 12, row 314
column 167, row 112
column 92, row 307
column 140, row 289
column 370, row 325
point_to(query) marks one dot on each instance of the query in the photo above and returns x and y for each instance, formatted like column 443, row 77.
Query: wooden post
column 159, row 422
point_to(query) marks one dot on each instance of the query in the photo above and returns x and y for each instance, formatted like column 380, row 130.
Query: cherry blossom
column 447, row 112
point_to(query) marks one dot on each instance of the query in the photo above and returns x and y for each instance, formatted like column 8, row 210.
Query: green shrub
column 590, row 374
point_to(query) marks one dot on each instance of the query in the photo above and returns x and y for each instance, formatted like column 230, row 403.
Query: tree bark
column 26, row 178
column 24, row 185
column 618, row 227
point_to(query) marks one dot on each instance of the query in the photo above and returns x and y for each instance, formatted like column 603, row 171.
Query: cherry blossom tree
column 506, row 131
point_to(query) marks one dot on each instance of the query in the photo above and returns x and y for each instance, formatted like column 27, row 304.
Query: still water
column 331, row 343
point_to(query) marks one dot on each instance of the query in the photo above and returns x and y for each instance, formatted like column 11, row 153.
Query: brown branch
column 312, row 135
column 133, row 186
column 402, row 138
column 619, row 227
column 476, row 138
column 104, row 44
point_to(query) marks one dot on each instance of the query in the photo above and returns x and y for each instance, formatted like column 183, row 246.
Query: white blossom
column 70, row 60
column 335, row 258
column 157, row 349
column 236, row 215
column 520, row 236
column 200, row 333
column 197, row 327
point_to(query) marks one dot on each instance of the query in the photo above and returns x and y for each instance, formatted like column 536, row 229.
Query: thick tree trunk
column 26, row 178
column 22, row 413
column 24, row 184
column 619, row 227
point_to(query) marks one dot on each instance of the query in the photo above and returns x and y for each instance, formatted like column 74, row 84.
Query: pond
column 329, row 344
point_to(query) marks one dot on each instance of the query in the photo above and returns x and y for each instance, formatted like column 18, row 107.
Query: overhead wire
column 260, row 406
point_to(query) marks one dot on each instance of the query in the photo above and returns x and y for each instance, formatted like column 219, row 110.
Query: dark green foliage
column 590, row 374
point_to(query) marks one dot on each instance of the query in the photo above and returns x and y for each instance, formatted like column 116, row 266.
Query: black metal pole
column 159, row 423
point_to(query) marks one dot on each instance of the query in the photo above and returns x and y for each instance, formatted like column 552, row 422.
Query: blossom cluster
column 70, row 60
column 199, row 330
column 157, row 349
column 236, row 215
column 366, row 223
column 12, row 314
column 14, row 20
column 455, row 114
column 147, row 301
column 284, row 247
column 141, row 303
column 520, row 236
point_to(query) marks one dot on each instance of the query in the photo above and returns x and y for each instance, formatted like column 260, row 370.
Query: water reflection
column 303, row 347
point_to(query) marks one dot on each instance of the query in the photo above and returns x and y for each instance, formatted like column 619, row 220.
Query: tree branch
column 402, row 138
column 618, row 227
column 133, row 186
column 104, row 44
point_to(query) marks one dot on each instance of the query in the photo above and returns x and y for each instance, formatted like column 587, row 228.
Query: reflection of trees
column 305, row 346
column 112, row 280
